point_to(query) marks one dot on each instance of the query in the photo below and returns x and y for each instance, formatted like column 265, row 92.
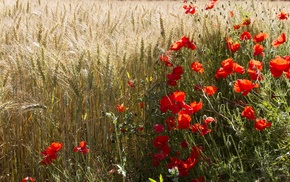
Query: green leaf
column 128, row 75
column 152, row 180
column 161, row 178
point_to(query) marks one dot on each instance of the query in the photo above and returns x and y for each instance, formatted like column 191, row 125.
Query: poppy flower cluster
column 258, row 48
column 50, row 153
column 260, row 124
column 183, row 42
column 175, row 103
column 246, row 21
column 229, row 67
column 181, row 118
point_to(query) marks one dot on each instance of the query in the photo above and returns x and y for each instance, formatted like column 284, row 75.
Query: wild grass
column 65, row 65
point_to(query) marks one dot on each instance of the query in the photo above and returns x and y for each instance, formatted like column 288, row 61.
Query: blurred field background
column 64, row 64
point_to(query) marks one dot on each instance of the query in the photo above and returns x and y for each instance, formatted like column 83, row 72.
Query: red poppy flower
column 176, row 46
column 121, row 108
column 170, row 123
column 287, row 74
column 231, row 45
column 167, row 104
column 196, row 106
column 183, row 42
column 196, row 151
column 184, row 144
column 82, row 148
column 231, row 13
column 177, row 96
column 190, row 9
column 258, row 50
column 260, row 37
column 156, row 159
column 255, row 75
column 278, row 65
column 254, row 69
column 222, row 73
column 237, row 27
column 255, row 65
column 178, row 70
column 28, row 179
column 246, row 36
column 174, row 76
column 197, row 67
column 202, row 129
column 238, row 68
column 244, row 86
column 228, row 64
column 141, row 128
column 246, row 21
column 50, row 153
column 208, row 120
column 209, row 90
column 283, row 15
column 262, row 124
column 131, row 84
column 249, row 113
column 166, row 59
column 141, row 105
column 158, row 128
column 228, row 67
column 198, row 87
column 160, row 141
column 280, row 40
column 182, row 166
column 210, row 5
column 235, row 47
column 183, row 121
